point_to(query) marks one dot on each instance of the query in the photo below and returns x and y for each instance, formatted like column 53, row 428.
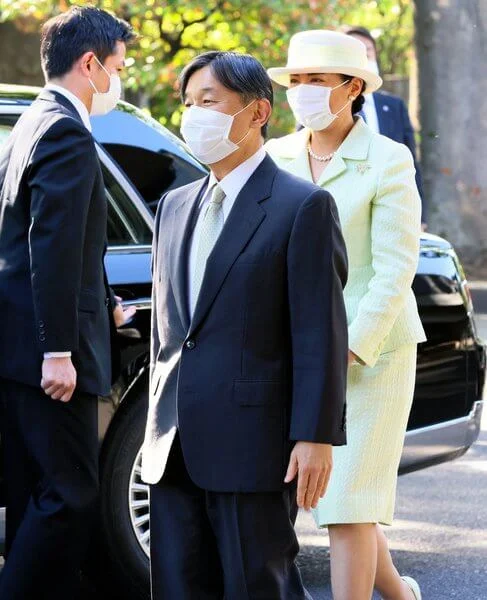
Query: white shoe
column 413, row 584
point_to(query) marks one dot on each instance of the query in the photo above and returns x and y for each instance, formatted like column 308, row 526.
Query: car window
column 153, row 173
column 125, row 224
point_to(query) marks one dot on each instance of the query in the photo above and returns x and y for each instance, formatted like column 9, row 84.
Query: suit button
column 42, row 338
column 107, row 302
column 41, row 323
column 190, row 344
column 42, row 330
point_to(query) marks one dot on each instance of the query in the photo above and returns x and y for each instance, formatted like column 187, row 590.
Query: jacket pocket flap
column 259, row 393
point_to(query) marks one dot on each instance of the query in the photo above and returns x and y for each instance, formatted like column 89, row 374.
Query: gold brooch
column 362, row 168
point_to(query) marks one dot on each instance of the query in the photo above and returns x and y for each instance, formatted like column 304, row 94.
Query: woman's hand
column 353, row 358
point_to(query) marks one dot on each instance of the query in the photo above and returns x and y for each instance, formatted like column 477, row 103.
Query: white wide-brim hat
column 322, row 51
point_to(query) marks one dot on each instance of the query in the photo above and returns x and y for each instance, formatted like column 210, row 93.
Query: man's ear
column 262, row 113
column 85, row 63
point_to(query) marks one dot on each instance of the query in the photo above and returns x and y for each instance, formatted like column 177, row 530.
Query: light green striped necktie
column 210, row 230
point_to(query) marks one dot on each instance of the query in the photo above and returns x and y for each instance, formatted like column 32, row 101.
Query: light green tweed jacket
column 372, row 181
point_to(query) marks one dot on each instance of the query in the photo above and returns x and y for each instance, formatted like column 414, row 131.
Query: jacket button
column 107, row 302
column 42, row 338
column 42, row 330
column 41, row 323
column 190, row 344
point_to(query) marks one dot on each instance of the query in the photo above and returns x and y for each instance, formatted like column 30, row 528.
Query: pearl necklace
column 325, row 158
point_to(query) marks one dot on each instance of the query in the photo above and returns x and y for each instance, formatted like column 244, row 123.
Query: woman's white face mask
column 311, row 105
column 207, row 132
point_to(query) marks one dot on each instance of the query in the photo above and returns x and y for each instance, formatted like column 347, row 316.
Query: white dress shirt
column 85, row 117
column 75, row 101
column 231, row 184
column 370, row 111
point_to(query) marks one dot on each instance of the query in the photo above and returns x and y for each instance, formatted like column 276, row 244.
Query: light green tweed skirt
column 363, row 482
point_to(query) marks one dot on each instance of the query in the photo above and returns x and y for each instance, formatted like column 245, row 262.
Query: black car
column 141, row 160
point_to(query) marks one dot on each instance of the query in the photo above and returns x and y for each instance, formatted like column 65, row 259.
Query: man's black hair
column 358, row 30
column 66, row 37
column 240, row 73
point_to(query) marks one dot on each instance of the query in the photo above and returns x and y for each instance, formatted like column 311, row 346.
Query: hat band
column 304, row 55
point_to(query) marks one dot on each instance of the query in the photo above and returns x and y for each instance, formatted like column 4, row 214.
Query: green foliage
column 171, row 32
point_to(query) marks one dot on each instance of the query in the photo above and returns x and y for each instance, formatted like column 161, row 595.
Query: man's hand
column 58, row 378
column 122, row 315
column 312, row 464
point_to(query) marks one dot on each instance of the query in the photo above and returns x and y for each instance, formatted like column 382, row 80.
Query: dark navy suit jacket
column 394, row 122
column 263, row 360
column 54, row 294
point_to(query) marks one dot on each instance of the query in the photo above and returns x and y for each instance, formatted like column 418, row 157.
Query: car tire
column 122, row 561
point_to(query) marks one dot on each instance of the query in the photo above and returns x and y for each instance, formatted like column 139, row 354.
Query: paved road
column 439, row 535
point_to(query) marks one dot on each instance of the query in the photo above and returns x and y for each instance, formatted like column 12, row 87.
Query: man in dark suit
column 56, row 311
column 249, row 351
column 388, row 114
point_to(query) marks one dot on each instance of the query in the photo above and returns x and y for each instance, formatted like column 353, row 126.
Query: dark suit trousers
column 51, row 470
column 210, row 546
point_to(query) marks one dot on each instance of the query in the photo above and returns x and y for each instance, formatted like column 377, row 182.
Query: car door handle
column 139, row 303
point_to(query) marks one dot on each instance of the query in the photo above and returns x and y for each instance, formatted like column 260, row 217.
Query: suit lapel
column 355, row 147
column 336, row 167
column 244, row 219
column 182, row 228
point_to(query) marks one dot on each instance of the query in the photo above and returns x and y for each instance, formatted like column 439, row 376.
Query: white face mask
column 103, row 102
column 311, row 105
column 207, row 132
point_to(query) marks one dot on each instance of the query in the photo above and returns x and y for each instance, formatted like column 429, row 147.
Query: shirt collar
column 75, row 101
column 233, row 183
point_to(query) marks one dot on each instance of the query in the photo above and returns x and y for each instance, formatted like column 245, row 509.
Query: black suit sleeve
column 317, row 273
column 61, row 178
column 411, row 144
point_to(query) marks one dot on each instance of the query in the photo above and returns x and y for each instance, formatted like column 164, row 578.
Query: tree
column 173, row 32
column 451, row 45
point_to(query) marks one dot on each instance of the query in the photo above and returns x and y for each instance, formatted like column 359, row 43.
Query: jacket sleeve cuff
column 358, row 345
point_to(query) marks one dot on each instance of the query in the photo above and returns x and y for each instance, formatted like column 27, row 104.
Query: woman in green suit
column 372, row 180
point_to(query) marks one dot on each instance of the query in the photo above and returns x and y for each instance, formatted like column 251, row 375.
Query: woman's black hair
column 358, row 103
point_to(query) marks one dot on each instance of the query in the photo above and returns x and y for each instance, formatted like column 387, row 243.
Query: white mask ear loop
column 240, row 141
column 349, row 101
column 341, row 84
column 237, row 113
column 109, row 76
column 102, row 66
column 245, row 107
